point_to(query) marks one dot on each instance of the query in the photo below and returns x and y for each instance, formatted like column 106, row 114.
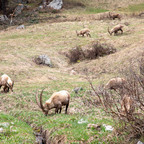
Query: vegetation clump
column 93, row 51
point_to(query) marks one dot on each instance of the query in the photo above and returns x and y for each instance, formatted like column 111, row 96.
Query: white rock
column 56, row 4
column 5, row 124
column 1, row 130
column 139, row 142
column 81, row 121
column 20, row 27
column 3, row 18
column 73, row 72
column 108, row 127
column 40, row 7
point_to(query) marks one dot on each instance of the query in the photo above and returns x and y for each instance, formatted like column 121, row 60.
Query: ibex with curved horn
column 57, row 100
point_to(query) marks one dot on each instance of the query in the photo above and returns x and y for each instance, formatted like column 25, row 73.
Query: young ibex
column 57, row 100
column 127, row 105
column 83, row 32
column 6, row 81
column 116, row 29
column 115, row 83
column 114, row 16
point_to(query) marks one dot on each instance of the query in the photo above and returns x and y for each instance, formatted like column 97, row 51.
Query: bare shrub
column 127, row 106
column 93, row 51
column 75, row 54
column 141, row 65
column 98, row 50
column 89, row 99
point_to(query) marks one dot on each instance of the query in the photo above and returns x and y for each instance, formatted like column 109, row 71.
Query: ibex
column 116, row 29
column 83, row 32
column 57, row 100
column 114, row 16
column 127, row 105
column 6, row 81
column 115, row 83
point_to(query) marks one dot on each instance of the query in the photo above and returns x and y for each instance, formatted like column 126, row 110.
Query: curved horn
column 109, row 31
column 41, row 104
column 10, row 86
column 110, row 15
column 76, row 32
column 36, row 96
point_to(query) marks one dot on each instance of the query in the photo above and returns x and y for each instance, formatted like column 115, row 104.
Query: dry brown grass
column 19, row 46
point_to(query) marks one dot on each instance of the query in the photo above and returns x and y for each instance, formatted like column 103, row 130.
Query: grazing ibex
column 116, row 29
column 127, row 105
column 57, row 100
column 115, row 83
column 83, row 32
column 114, row 16
column 6, row 81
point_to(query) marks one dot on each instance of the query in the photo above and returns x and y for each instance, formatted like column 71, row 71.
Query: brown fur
column 5, row 83
column 57, row 100
column 116, row 29
column 114, row 16
column 83, row 32
column 127, row 105
column 115, row 83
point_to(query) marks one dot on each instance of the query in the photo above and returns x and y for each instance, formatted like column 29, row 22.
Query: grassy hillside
column 53, row 37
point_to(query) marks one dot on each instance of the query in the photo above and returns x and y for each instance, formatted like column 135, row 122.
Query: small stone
column 5, row 124
column 21, row 27
column 1, row 130
column 73, row 72
column 81, row 121
column 77, row 89
column 40, row 7
column 139, row 142
column 108, row 127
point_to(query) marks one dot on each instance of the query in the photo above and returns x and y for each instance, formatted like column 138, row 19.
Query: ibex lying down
column 57, row 100
column 114, row 16
column 115, row 83
column 83, row 32
column 116, row 29
column 6, row 81
column 127, row 105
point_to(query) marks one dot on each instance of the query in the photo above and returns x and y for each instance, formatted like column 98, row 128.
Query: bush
column 98, row 50
column 132, row 122
column 75, row 54
column 93, row 51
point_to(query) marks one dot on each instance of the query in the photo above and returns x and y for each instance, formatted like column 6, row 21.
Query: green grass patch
column 95, row 10
column 15, row 131
column 134, row 8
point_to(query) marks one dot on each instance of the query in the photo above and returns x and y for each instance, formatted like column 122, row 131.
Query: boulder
column 56, row 4
column 77, row 89
column 20, row 27
column 44, row 60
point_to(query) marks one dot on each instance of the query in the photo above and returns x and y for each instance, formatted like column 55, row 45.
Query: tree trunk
column 56, row 4
column 3, row 6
